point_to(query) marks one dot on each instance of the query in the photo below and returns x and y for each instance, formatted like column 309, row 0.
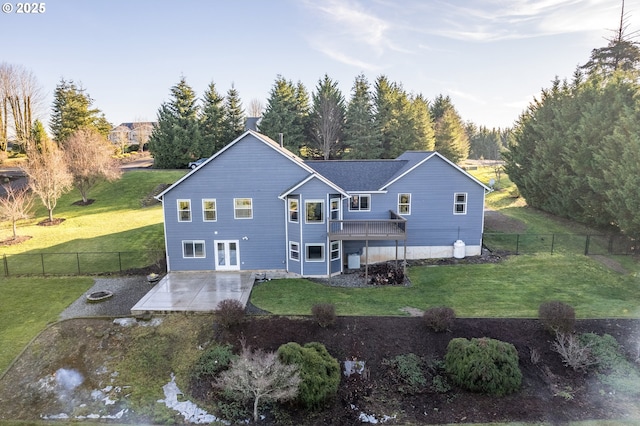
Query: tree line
column 382, row 121
column 575, row 151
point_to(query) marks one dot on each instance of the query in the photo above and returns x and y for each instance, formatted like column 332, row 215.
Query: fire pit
column 99, row 296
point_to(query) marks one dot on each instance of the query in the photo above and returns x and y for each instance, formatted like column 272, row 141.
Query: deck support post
column 366, row 263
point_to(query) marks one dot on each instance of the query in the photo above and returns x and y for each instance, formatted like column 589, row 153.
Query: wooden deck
column 394, row 228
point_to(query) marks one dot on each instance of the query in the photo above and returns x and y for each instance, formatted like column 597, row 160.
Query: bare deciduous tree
column 255, row 108
column 88, row 157
column 48, row 174
column 260, row 376
column 142, row 131
column 20, row 98
column 15, row 205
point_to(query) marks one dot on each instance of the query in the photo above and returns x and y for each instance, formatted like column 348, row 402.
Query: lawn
column 115, row 222
column 511, row 289
column 27, row 305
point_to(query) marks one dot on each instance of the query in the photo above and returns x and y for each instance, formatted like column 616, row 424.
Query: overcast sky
column 490, row 56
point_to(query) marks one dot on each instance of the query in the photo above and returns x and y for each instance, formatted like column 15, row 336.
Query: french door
column 227, row 255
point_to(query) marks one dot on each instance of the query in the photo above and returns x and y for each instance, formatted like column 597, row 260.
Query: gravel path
column 127, row 291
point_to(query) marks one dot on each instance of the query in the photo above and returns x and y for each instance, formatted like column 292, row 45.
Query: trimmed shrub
column 319, row 371
column 557, row 317
column 214, row 360
column 324, row 314
column 408, row 369
column 439, row 319
column 229, row 312
column 483, row 365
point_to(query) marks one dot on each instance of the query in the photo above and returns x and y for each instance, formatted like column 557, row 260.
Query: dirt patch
column 54, row 222
column 17, row 240
column 609, row 263
column 84, row 203
column 550, row 392
column 494, row 221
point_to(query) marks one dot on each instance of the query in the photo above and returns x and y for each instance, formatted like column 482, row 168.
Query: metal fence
column 88, row 263
column 562, row 243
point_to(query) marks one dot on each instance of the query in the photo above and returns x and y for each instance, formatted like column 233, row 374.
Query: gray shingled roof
column 358, row 175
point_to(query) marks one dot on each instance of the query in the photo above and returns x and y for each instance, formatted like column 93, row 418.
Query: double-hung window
column 294, row 251
column 335, row 250
column 293, row 209
column 243, row 208
column 184, row 210
column 209, row 210
column 193, row 249
column 314, row 211
column 460, row 203
column 360, row 202
column 404, row 204
column 335, row 208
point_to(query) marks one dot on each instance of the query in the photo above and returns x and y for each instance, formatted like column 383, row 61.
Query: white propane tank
column 459, row 249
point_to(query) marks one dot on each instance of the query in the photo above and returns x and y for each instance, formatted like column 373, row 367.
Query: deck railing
column 394, row 228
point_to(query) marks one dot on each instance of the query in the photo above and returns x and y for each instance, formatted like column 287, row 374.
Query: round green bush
column 319, row 371
column 483, row 365
column 215, row 359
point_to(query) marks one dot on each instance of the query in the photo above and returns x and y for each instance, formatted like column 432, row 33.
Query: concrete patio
column 195, row 291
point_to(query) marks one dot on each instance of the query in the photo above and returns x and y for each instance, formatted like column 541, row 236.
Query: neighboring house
column 254, row 205
column 132, row 133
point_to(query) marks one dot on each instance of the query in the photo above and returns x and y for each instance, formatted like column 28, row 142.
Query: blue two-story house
column 254, row 205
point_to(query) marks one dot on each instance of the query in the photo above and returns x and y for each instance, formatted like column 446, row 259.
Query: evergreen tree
column 484, row 143
column 422, row 131
column 387, row 101
column 451, row 139
column 72, row 111
column 176, row 139
column 212, row 122
column 286, row 114
column 361, row 139
column 621, row 54
column 326, row 120
column 233, row 116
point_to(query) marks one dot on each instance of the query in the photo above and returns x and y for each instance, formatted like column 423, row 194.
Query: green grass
column 115, row 222
column 514, row 288
column 28, row 305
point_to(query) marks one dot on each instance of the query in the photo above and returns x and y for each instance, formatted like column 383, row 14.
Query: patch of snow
column 130, row 322
column 355, row 366
column 190, row 411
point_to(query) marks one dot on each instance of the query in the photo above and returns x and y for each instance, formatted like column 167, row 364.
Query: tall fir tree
column 234, row 118
column 72, row 111
column 326, row 120
column 451, row 139
column 286, row 114
column 212, row 122
column 176, row 139
column 622, row 53
column 361, row 140
column 422, row 131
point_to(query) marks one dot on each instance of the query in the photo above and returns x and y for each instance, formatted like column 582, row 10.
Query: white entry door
column 227, row 255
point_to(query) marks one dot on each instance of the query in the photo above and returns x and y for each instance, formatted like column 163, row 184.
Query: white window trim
column 455, row 203
column 215, row 210
column 291, row 250
column 235, row 209
column 180, row 211
column 321, row 210
column 306, row 257
column 359, row 203
column 194, row 242
column 407, row 204
column 337, row 209
column 332, row 251
column 297, row 210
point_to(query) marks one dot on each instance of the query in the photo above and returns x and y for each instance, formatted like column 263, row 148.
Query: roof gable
column 249, row 133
